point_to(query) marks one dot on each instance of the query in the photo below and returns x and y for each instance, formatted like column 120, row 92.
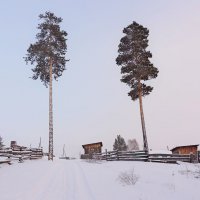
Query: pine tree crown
column 50, row 47
column 134, row 59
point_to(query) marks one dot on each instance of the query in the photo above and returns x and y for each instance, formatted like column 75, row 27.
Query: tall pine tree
column 134, row 59
column 47, row 55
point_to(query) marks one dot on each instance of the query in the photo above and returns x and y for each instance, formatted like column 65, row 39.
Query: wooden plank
column 132, row 152
column 168, row 160
column 165, row 161
column 133, row 159
column 165, row 158
column 5, row 161
column 136, row 156
column 169, row 155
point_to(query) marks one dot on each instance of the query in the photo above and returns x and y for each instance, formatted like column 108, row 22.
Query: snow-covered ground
column 82, row 180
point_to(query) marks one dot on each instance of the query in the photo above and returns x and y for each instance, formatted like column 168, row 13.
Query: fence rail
column 141, row 156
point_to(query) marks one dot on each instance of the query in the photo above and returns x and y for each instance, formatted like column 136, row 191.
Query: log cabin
column 188, row 149
column 92, row 148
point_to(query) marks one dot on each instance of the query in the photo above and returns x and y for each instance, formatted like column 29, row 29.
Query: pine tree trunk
column 50, row 157
column 142, row 117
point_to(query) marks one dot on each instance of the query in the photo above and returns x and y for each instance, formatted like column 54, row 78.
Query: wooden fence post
column 106, row 154
column 192, row 157
column 147, row 153
column 198, row 158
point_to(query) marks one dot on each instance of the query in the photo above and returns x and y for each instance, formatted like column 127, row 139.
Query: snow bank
column 82, row 180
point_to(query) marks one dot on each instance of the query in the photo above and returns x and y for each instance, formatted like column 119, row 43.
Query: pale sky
column 90, row 102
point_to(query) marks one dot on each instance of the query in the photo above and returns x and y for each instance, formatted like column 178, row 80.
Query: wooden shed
column 92, row 148
column 188, row 149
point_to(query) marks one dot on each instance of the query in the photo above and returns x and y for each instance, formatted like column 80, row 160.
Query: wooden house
column 92, row 148
column 15, row 147
column 189, row 149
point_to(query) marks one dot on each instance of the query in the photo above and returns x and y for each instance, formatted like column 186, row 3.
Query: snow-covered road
column 82, row 180
column 43, row 180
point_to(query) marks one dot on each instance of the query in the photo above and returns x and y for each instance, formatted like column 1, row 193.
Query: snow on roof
column 195, row 145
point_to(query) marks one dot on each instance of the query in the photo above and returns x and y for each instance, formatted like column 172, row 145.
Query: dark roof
column 92, row 144
column 195, row 145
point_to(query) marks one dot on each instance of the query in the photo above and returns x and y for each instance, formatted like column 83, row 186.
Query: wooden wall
column 186, row 150
column 92, row 148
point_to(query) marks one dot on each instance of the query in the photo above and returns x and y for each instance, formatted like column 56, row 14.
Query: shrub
column 128, row 177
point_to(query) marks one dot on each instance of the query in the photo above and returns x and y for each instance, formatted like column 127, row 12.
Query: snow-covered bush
column 128, row 177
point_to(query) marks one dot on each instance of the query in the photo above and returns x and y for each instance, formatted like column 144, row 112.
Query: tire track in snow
column 83, row 190
column 44, row 180
column 70, row 183
column 51, row 185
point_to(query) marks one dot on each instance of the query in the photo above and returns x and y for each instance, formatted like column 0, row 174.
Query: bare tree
column 133, row 145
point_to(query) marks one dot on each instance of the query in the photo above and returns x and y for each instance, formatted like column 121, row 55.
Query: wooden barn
column 188, row 149
column 92, row 148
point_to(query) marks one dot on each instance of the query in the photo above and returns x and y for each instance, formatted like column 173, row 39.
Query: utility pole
column 50, row 157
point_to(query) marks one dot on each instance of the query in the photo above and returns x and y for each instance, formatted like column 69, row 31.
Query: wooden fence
column 170, row 158
column 9, row 155
column 125, row 155
column 140, row 156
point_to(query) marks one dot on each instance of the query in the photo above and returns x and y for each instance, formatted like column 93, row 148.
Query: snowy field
column 82, row 180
